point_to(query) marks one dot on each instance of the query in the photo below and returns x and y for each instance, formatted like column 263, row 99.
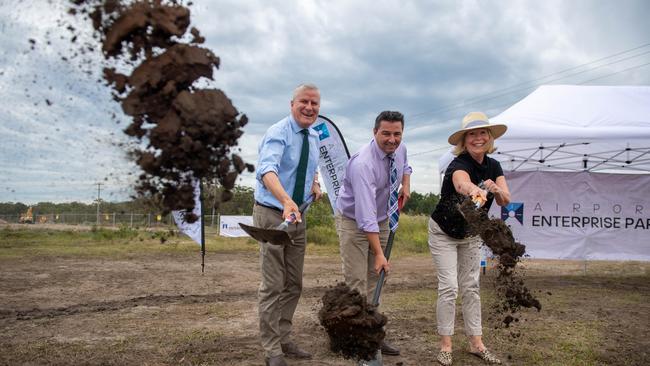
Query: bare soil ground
column 157, row 309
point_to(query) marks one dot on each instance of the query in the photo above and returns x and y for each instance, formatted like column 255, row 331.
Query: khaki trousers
column 281, row 286
column 458, row 264
column 358, row 261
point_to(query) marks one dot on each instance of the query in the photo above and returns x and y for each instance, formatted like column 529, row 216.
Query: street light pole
column 98, row 192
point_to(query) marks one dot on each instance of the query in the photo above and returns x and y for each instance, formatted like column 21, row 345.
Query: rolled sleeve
column 407, row 170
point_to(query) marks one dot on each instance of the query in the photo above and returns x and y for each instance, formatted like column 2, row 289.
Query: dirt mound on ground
column 355, row 328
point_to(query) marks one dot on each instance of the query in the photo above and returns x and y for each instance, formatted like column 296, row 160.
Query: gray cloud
column 430, row 60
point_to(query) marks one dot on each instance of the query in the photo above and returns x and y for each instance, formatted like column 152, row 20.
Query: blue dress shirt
column 279, row 152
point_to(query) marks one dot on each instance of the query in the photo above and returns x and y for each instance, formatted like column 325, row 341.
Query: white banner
column 192, row 230
column 229, row 225
column 580, row 215
column 333, row 157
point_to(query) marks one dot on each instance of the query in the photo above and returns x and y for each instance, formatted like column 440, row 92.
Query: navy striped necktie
column 393, row 212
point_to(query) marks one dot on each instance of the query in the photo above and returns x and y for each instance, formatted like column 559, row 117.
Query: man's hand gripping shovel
column 277, row 235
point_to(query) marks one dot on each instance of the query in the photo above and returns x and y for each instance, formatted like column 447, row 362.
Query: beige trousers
column 358, row 261
column 458, row 264
column 281, row 286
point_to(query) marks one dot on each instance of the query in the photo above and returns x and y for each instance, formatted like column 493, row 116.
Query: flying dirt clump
column 355, row 328
column 512, row 293
column 183, row 134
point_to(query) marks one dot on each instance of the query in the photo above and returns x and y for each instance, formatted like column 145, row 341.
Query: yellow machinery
column 27, row 217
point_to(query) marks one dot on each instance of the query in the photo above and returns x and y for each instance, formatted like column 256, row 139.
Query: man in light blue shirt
column 362, row 206
column 286, row 177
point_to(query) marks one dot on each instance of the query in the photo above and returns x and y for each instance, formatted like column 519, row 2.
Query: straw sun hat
column 474, row 120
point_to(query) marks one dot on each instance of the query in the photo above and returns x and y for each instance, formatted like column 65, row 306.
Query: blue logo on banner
column 513, row 209
column 322, row 130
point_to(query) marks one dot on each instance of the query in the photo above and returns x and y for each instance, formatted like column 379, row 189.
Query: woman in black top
column 456, row 255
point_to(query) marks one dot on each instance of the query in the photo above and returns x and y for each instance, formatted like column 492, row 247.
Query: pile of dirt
column 183, row 134
column 355, row 328
column 512, row 293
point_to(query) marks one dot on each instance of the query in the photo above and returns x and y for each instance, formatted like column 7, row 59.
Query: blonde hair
column 460, row 146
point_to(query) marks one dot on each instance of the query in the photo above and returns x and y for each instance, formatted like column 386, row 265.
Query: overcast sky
column 432, row 60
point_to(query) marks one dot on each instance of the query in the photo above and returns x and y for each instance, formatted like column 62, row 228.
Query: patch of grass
column 322, row 235
column 322, row 250
column 123, row 241
column 560, row 342
column 62, row 352
column 199, row 335
column 223, row 311
column 123, row 232
column 409, row 300
column 107, row 243
column 412, row 235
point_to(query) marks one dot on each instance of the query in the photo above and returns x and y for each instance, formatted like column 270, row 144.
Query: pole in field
column 98, row 200
column 202, row 219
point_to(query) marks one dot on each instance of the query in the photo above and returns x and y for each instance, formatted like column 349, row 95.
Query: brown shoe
column 276, row 361
column 291, row 350
column 389, row 349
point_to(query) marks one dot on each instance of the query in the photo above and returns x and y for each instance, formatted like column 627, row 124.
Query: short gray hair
column 302, row 87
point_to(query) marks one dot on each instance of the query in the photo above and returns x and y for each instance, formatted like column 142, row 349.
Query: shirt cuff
column 369, row 227
column 265, row 169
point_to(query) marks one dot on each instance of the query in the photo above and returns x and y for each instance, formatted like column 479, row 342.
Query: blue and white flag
column 333, row 156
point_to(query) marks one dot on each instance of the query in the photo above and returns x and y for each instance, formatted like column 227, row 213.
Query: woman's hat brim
column 497, row 131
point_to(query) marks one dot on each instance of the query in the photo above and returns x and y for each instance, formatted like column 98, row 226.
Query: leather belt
column 269, row 207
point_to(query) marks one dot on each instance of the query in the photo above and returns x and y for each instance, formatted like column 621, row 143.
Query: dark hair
column 389, row 116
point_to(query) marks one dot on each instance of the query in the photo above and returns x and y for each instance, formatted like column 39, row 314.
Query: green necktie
column 299, row 189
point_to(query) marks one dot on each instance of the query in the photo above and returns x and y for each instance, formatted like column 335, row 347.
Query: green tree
column 421, row 204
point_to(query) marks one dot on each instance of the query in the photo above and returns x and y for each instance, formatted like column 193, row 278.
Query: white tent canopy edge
column 578, row 128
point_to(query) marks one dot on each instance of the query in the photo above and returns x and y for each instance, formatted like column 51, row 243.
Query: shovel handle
column 478, row 200
column 292, row 217
column 382, row 274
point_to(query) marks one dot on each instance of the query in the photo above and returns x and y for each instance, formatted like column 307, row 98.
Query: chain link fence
column 131, row 220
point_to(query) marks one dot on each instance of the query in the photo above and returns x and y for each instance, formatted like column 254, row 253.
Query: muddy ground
column 157, row 309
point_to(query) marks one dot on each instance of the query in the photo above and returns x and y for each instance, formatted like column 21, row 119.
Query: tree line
column 240, row 204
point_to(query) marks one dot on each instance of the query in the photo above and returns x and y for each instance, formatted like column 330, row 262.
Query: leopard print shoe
column 444, row 358
column 488, row 357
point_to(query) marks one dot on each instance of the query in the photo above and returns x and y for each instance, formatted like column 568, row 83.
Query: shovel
column 277, row 235
column 378, row 360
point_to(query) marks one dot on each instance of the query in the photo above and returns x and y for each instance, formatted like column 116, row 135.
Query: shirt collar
column 379, row 153
column 295, row 128
column 294, row 125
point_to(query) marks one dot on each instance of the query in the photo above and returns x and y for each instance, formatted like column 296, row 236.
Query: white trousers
column 458, row 264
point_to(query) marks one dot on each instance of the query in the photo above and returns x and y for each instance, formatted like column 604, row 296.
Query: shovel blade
column 272, row 236
column 377, row 361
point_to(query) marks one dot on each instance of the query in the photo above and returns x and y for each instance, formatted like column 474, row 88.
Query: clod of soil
column 355, row 328
column 183, row 134
column 512, row 293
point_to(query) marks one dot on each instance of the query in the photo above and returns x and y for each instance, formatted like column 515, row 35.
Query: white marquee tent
column 578, row 128
column 577, row 160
